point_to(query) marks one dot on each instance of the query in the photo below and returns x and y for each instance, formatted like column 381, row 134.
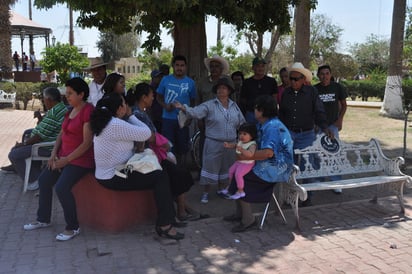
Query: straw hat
column 96, row 63
column 298, row 67
column 217, row 58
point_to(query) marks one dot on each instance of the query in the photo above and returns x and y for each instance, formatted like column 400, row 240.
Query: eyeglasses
column 295, row 78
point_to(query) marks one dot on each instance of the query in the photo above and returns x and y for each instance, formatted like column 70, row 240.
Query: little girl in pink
column 246, row 146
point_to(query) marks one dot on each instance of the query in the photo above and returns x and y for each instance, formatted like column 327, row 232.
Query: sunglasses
column 295, row 78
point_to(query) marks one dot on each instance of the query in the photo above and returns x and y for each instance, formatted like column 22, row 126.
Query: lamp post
column 22, row 34
column 53, row 40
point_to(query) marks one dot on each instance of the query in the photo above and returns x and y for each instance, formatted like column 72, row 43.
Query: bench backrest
column 7, row 97
column 328, row 157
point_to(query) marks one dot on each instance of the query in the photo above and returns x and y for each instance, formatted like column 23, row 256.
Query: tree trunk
column 302, row 36
column 190, row 41
column 393, row 100
column 6, row 61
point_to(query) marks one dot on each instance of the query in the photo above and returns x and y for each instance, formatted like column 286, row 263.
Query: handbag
column 143, row 162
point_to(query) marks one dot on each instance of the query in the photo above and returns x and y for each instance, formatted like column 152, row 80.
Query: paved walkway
column 341, row 237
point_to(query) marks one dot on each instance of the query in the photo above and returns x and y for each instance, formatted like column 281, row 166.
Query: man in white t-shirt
column 98, row 70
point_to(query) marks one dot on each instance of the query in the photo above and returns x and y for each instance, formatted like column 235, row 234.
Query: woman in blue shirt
column 273, row 162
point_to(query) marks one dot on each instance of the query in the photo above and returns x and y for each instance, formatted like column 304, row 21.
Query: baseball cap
column 258, row 60
column 155, row 73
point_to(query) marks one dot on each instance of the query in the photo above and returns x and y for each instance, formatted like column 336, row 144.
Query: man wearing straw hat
column 98, row 70
column 301, row 110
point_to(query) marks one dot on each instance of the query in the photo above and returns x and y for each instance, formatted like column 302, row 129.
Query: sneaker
column 237, row 195
column 65, row 237
column 223, row 192
column 35, row 225
column 9, row 168
column 205, row 198
column 33, row 186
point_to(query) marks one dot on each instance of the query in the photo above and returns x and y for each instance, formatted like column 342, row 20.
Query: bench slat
column 354, row 183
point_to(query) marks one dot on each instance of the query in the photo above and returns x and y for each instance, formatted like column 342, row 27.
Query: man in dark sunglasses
column 301, row 110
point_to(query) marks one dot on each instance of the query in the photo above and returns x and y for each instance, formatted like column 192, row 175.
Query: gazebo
column 22, row 27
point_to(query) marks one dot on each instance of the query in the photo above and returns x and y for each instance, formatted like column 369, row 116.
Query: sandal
column 165, row 233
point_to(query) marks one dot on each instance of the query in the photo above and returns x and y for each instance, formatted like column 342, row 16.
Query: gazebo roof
column 20, row 23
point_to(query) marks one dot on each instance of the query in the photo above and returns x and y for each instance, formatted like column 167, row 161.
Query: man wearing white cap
column 301, row 109
column 98, row 71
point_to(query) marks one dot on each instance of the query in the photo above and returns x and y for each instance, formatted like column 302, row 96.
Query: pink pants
column 239, row 170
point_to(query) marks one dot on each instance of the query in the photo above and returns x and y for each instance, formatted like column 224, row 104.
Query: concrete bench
column 109, row 210
column 355, row 165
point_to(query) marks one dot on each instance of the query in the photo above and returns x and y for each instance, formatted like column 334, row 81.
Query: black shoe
column 242, row 228
column 9, row 168
column 179, row 224
column 232, row 218
column 165, row 233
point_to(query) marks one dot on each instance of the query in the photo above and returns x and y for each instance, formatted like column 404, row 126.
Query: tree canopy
column 257, row 15
column 64, row 59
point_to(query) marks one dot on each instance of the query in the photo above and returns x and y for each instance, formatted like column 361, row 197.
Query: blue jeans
column 300, row 141
column 64, row 181
column 178, row 136
column 335, row 132
column 17, row 157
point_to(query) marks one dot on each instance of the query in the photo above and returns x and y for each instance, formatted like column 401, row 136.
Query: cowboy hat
column 217, row 58
column 298, row 67
column 95, row 63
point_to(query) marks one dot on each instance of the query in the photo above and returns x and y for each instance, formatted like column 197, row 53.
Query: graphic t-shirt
column 173, row 89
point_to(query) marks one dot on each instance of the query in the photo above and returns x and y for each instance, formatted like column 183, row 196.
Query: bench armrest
column 294, row 186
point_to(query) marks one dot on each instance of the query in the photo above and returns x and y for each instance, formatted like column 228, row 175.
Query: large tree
column 115, row 46
column 393, row 103
column 64, row 59
column 6, row 62
column 302, row 34
column 186, row 18
column 372, row 55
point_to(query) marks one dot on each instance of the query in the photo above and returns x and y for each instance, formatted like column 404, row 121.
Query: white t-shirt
column 95, row 92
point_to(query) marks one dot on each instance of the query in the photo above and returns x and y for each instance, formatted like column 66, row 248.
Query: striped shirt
column 50, row 126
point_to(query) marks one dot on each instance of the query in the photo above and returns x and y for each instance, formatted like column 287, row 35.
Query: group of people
column 249, row 127
column 24, row 60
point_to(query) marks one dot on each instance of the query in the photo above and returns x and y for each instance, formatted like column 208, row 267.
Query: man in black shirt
column 253, row 87
column 301, row 109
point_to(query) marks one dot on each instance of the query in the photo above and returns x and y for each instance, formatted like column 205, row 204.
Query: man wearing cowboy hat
column 98, row 70
column 301, row 110
column 253, row 87
column 218, row 67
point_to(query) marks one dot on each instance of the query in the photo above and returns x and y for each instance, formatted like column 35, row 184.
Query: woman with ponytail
column 116, row 130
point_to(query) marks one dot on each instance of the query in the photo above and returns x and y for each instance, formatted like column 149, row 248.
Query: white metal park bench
column 7, row 98
column 356, row 165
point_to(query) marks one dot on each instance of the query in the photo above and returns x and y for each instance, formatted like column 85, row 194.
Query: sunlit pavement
column 344, row 236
